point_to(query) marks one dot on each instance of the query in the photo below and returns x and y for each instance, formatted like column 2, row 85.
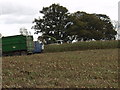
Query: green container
column 17, row 43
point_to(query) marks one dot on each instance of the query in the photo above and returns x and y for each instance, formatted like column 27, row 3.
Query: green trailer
column 17, row 44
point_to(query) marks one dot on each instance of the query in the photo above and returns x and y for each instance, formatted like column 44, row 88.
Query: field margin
column 82, row 46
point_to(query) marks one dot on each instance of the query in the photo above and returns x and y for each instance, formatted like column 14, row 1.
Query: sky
column 16, row 14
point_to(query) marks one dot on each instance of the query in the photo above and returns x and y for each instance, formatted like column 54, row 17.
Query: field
column 97, row 68
column 83, row 46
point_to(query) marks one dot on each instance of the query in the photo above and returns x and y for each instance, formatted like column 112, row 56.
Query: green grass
column 72, row 69
column 82, row 46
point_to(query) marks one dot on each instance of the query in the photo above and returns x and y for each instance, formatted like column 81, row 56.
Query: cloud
column 16, row 9
column 13, row 19
column 15, row 13
column 24, row 11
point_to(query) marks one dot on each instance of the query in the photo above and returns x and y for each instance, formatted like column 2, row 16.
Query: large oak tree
column 53, row 23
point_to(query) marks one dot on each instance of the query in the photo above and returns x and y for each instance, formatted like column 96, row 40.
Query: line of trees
column 58, row 23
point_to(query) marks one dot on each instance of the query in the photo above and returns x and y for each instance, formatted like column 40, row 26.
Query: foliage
column 53, row 22
column 82, row 46
column 61, row 25
column 107, row 27
column 91, row 26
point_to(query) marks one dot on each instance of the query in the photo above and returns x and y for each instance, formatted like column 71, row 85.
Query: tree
column 107, row 27
column 58, row 24
column 91, row 26
column 23, row 31
column 53, row 23
column 76, row 25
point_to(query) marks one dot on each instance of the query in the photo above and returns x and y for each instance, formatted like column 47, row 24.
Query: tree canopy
column 53, row 22
column 91, row 26
column 59, row 24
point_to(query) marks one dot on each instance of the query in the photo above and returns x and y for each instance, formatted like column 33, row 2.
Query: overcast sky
column 15, row 14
